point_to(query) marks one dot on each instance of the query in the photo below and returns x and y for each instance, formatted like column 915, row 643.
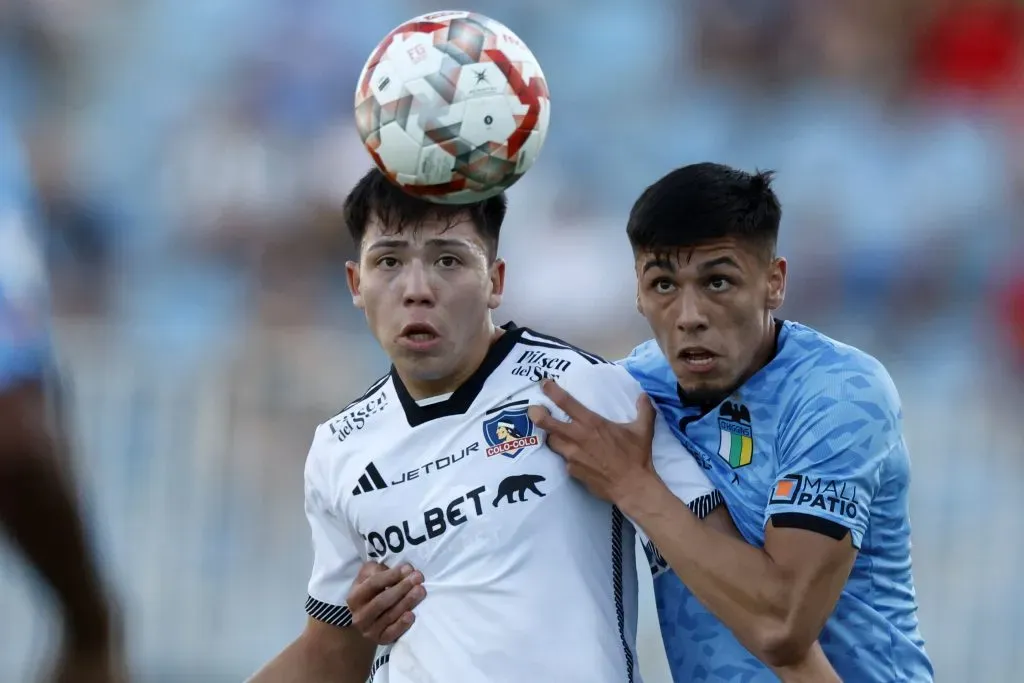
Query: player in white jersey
column 438, row 465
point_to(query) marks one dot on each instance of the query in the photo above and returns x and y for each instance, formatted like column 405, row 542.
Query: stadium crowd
column 191, row 158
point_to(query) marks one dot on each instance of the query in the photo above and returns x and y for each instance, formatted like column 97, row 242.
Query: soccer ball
column 453, row 107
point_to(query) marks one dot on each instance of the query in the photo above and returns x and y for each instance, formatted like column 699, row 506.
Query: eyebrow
column 669, row 264
column 664, row 263
column 720, row 261
column 437, row 242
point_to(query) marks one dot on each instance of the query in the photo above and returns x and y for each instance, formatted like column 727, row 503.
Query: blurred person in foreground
column 438, row 465
column 38, row 507
column 801, row 434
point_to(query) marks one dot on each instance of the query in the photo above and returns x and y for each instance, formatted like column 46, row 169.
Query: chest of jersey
column 461, row 485
column 736, row 448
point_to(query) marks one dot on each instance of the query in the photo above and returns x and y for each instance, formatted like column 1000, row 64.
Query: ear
column 352, row 275
column 639, row 283
column 497, row 279
column 777, row 284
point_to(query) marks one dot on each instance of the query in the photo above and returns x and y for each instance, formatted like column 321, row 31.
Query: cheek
column 374, row 303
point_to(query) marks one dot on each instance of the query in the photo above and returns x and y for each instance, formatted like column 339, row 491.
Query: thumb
column 645, row 415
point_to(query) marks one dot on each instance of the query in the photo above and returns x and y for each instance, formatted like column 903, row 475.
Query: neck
column 420, row 389
column 767, row 349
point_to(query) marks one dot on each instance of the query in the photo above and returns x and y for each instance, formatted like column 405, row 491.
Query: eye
column 448, row 262
column 663, row 285
column 719, row 284
column 387, row 262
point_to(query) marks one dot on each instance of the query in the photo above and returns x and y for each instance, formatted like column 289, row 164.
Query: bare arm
column 775, row 600
column 813, row 666
column 39, row 512
column 322, row 654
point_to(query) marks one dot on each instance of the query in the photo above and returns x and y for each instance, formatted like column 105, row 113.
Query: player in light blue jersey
column 802, row 435
column 37, row 502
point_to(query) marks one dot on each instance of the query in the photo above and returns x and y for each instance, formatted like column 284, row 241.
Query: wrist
column 636, row 493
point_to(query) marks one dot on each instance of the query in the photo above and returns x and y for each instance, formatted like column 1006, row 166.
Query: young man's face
column 427, row 294
column 709, row 308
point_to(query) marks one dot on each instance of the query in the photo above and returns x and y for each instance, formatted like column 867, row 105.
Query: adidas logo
column 370, row 481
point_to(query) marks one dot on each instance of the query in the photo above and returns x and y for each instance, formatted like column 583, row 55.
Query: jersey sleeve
column 337, row 552
column 612, row 392
column 832, row 451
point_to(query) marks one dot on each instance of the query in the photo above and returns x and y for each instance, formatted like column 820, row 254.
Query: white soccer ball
column 453, row 107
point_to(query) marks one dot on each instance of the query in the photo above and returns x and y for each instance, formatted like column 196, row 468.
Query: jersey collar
column 460, row 401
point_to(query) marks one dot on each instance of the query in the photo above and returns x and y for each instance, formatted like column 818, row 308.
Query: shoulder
column 821, row 378
column 353, row 425
column 591, row 379
column 537, row 356
column 353, row 418
column 645, row 359
column 531, row 338
column 821, row 366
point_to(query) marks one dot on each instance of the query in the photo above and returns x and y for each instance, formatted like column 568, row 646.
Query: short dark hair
column 703, row 202
column 376, row 195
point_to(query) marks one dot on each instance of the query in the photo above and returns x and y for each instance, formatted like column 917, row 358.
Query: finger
column 369, row 569
column 543, row 418
column 645, row 416
column 384, row 601
column 396, row 621
column 563, row 446
column 364, row 591
column 564, row 400
column 398, row 629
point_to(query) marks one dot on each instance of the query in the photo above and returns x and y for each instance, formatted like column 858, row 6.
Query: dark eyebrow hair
column 669, row 264
column 659, row 262
column 720, row 261
column 442, row 242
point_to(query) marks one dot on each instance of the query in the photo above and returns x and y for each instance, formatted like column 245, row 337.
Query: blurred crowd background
column 191, row 158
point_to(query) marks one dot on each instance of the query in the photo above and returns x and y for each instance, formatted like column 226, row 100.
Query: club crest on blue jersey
column 736, row 444
column 509, row 433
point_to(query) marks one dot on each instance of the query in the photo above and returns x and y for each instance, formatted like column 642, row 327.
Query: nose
column 417, row 290
column 692, row 317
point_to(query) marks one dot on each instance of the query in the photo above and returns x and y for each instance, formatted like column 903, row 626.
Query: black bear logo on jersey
column 518, row 484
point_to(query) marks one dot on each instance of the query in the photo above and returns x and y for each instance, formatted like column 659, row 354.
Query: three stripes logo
column 370, row 481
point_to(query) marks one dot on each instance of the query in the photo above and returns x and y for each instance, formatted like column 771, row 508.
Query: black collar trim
column 460, row 401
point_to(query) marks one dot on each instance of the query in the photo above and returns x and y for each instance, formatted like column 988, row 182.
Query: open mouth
column 419, row 332
column 697, row 356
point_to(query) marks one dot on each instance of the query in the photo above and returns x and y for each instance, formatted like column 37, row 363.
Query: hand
column 613, row 460
column 381, row 601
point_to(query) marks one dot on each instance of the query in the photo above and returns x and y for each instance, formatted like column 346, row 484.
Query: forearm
column 308, row 661
column 738, row 583
column 39, row 512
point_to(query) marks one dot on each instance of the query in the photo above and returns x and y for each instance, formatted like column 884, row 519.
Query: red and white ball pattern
column 453, row 107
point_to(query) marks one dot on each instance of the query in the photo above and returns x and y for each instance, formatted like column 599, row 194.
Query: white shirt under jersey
column 529, row 577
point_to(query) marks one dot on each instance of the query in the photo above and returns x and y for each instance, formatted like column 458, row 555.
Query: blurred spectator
column 971, row 47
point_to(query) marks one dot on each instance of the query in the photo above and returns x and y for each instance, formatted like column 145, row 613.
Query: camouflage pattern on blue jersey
column 24, row 294
column 818, row 431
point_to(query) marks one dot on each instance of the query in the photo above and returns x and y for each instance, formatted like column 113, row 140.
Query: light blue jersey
column 816, row 437
column 24, row 295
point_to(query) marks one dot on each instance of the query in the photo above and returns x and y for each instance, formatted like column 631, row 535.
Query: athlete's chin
column 703, row 390
column 425, row 366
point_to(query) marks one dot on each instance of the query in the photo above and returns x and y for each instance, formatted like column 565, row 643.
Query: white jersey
column 529, row 577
